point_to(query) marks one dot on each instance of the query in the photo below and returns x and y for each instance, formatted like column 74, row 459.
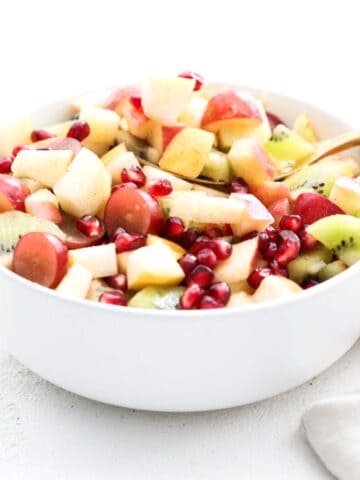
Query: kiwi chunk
column 14, row 224
column 331, row 270
column 340, row 234
column 320, row 177
column 309, row 264
column 160, row 298
column 217, row 167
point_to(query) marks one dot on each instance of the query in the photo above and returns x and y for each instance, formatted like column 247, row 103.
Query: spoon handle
column 337, row 144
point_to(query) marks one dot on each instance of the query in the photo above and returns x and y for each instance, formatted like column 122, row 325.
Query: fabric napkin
column 332, row 428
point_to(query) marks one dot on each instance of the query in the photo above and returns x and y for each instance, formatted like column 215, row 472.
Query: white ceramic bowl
column 182, row 361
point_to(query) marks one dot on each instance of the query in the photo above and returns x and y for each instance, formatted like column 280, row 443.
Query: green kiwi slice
column 308, row 264
column 160, row 298
column 340, row 234
column 331, row 270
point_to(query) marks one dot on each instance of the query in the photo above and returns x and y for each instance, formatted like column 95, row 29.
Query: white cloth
column 332, row 427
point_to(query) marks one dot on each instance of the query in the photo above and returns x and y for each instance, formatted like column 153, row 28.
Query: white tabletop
column 48, row 51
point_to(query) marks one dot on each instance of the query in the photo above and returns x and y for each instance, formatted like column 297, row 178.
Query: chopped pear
column 240, row 263
column 114, row 154
column 175, row 249
column 60, row 129
column 15, row 133
column 273, row 287
column 256, row 216
column 100, row 260
column 104, row 125
column 76, row 282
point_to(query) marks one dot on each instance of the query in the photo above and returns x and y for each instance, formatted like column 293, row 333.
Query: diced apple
column 60, row 129
column 278, row 209
column 240, row 299
column 153, row 265
column 104, row 125
column 86, row 186
column 100, row 260
column 114, row 153
column 187, row 153
column 33, row 185
column 125, row 160
column 304, row 128
column 270, row 192
column 137, row 122
column 76, row 282
column 345, row 193
column 163, row 99
column 249, row 161
column 153, row 173
column 175, row 249
column 193, row 112
column 240, row 263
column 13, row 193
column 273, row 287
column 17, row 132
column 98, row 98
column 43, row 204
column 45, row 166
column 159, row 136
column 256, row 216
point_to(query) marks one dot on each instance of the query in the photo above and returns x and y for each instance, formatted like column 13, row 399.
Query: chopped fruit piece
column 85, row 187
column 192, row 297
column 15, row 133
column 231, row 105
column 122, row 261
column 152, row 174
column 270, row 192
column 289, row 247
column 74, row 238
column 220, row 292
column 308, row 264
column 76, row 283
column 60, row 129
column 291, row 222
column 256, row 216
column 57, row 143
column 238, row 185
column 175, row 249
column 340, row 234
column 41, row 258
column 193, row 144
column 79, row 130
column 250, row 162
column 209, row 302
column 154, row 265
column 274, row 120
column 133, row 175
column 193, row 112
column 43, row 204
column 163, row 99
column 159, row 136
column 46, row 166
column 137, row 122
column 90, row 226
column 311, row 207
column 278, row 209
column 104, row 125
column 118, row 97
column 5, row 164
column 125, row 241
column 160, row 298
column 13, row 193
column 239, row 299
column 331, row 270
column 126, row 160
column 305, row 129
column 99, row 260
column 345, row 193
column 201, row 275
column 134, row 210
column 38, row 135
column 239, row 265
column 199, row 79
column 160, row 188
column 115, row 153
column 217, row 167
column 113, row 298
column 258, row 275
column 273, row 287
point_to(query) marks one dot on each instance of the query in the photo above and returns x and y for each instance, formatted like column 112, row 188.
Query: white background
column 50, row 49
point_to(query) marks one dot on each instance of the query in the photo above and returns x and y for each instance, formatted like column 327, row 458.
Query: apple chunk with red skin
column 159, row 136
column 12, row 193
column 240, row 263
column 256, row 216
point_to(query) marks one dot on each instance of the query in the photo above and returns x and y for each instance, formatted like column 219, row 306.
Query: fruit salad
column 167, row 196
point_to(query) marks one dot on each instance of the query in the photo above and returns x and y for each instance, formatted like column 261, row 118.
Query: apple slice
column 163, row 99
column 45, row 166
column 99, row 260
column 76, row 283
column 188, row 151
column 240, row 263
column 312, row 206
column 270, row 192
column 104, row 125
column 153, row 173
column 249, row 161
column 12, row 193
column 273, row 287
column 114, row 153
column 15, row 133
column 175, row 249
column 256, row 216
column 86, row 186
column 137, row 122
column 159, row 136
column 153, row 265
column 345, row 193
column 193, row 112
column 43, row 204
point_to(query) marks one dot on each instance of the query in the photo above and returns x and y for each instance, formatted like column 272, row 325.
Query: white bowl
column 177, row 360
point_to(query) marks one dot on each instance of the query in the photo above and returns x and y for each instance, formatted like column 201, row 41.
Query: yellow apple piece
column 240, row 263
column 114, row 153
column 16, row 132
column 273, row 287
column 345, row 193
column 256, row 216
column 100, row 260
column 153, row 265
column 175, row 249
column 187, row 152
column 76, row 282
column 104, row 125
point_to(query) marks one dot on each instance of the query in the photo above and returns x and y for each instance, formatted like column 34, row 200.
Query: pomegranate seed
column 189, row 237
column 174, row 228
column 90, row 226
column 19, row 148
column 258, row 275
column 5, row 164
column 289, row 247
column 309, row 283
column 277, row 270
column 201, row 275
column 308, row 242
column 207, row 257
column 136, row 102
column 270, row 251
column 118, row 281
column 191, row 297
column 125, row 241
column 291, row 222
column 238, row 185
column 160, row 188
column 199, row 80
column 264, row 241
column 113, row 298
column 122, row 185
column 272, row 233
column 209, row 302
column 133, row 175
column 222, row 248
column 213, row 232
column 200, row 243
column 220, row 292
column 188, row 262
column 79, row 130
column 38, row 135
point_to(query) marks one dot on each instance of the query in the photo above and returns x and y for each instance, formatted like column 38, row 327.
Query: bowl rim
column 189, row 314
